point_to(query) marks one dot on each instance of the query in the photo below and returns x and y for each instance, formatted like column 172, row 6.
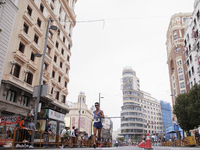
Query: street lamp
column 41, row 71
column 13, row 62
column 100, row 98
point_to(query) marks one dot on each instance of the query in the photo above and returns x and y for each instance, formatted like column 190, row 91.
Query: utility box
column 191, row 140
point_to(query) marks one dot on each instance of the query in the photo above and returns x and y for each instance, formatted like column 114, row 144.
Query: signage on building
column 11, row 120
column 56, row 115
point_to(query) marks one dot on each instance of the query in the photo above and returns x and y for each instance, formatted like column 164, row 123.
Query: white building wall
column 8, row 13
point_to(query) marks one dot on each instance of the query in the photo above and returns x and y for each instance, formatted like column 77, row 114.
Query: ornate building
column 22, row 67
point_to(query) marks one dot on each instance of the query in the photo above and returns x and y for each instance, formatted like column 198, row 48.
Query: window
column 184, row 19
column 45, row 66
column 39, row 22
column 190, row 58
column 68, row 58
column 25, row 28
column 24, row 100
column 36, row 39
column 29, row 10
column 52, row 90
column 58, row 32
column 50, row 34
column 29, row 78
column 66, row 70
column 63, row 99
column 182, row 85
column 180, row 70
column 10, row 96
column 61, row 64
column 57, row 95
column 53, row 74
column 181, row 77
column 59, row 79
column 177, row 49
column 175, row 37
column 41, row 7
column 189, row 74
column 57, row 44
column 62, row 51
column 32, row 57
column 192, row 70
column 69, row 35
column 63, row 39
column 182, row 91
column 16, row 70
column 55, row 58
column 191, row 84
column 48, row 50
column 180, row 62
column 51, row 7
column 69, row 46
column 60, row 10
column 65, row 84
column 21, row 47
column 82, row 112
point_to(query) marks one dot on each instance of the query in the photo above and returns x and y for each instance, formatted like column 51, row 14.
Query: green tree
column 121, row 139
column 186, row 109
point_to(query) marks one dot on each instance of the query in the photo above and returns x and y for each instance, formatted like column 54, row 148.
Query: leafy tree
column 121, row 139
column 186, row 109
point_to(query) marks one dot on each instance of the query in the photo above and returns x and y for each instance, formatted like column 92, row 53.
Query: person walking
column 98, row 115
column 64, row 136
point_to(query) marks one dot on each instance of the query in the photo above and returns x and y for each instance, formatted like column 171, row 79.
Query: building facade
column 141, row 113
column 22, row 67
column 175, row 57
column 7, row 10
column 166, row 110
column 192, row 46
column 80, row 111
column 107, row 128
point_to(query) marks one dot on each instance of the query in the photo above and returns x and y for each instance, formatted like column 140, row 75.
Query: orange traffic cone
column 148, row 143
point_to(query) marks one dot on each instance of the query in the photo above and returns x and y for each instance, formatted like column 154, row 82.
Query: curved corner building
column 132, row 126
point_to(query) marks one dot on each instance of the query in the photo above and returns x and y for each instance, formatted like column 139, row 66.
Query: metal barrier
column 6, row 134
column 198, row 141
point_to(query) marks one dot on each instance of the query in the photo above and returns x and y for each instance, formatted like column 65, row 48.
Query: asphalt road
column 128, row 148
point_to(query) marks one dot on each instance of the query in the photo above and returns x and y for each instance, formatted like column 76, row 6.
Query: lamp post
column 100, row 99
column 79, row 125
column 41, row 71
column 13, row 62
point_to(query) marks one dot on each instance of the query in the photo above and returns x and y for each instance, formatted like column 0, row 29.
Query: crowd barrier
column 11, row 136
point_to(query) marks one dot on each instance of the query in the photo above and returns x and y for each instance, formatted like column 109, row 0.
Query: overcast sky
column 133, row 34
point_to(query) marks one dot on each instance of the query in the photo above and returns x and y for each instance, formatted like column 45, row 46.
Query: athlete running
column 98, row 115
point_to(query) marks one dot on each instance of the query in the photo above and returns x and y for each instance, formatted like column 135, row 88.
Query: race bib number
column 96, row 119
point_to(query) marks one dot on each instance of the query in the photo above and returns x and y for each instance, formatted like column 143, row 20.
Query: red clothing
column 21, row 124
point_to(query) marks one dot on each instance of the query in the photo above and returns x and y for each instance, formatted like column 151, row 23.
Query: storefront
column 48, row 115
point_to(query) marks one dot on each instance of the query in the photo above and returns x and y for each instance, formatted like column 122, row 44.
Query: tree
column 186, row 109
column 121, row 139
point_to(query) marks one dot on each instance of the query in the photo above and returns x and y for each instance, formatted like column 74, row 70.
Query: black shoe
column 94, row 145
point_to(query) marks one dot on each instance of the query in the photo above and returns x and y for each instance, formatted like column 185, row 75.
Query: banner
column 11, row 120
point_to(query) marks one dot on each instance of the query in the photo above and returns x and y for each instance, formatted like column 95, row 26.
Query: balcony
column 61, row 71
column 20, row 56
column 38, row 30
column 57, row 52
column 24, row 37
column 35, row 47
column 65, row 90
column 62, row 57
column 60, row 86
column 32, row 65
column 54, row 81
column 55, row 66
column 66, row 77
column 17, row 81
column 50, row 42
column 46, row 74
column 48, row 58
column 28, row 18
column 67, row 63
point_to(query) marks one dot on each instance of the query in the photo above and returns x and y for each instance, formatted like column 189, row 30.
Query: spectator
column 48, row 131
column 22, row 133
column 73, row 132
column 31, row 126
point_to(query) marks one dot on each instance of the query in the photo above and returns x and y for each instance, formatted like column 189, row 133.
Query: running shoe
column 31, row 146
column 18, row 146
column 94, row 145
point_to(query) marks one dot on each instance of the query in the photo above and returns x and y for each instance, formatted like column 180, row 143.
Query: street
column 131, row 148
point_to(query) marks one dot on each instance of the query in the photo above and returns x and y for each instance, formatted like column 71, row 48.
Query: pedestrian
column 98, row 115
column 48, row 131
